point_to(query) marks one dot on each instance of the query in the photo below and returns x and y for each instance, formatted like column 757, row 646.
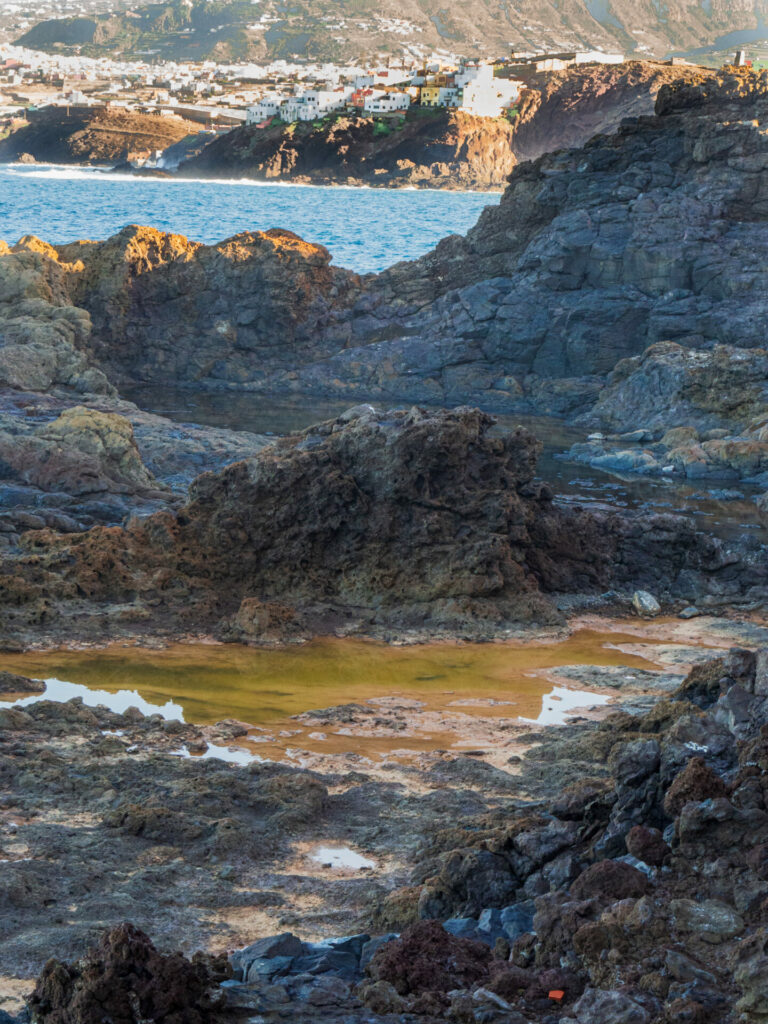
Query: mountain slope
column 342, row 29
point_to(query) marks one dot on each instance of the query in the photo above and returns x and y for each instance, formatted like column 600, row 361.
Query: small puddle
column 340, row 857
column 560, row 704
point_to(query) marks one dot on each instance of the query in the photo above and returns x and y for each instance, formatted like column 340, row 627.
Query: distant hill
column 348, row 29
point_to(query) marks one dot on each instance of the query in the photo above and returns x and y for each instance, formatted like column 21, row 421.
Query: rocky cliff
column 656, row 233
column 156, row 306
column 435, row 149
column 410, row 521
column 440, row 148
column 64, row 135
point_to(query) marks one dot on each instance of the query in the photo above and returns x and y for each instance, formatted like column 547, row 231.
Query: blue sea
column 365, row 229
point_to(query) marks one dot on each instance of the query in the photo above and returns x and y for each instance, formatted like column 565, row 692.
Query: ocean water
column 365, row 229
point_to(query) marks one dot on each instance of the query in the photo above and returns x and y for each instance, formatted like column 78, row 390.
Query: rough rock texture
column 125, row 979
column 162, row 307
column 433, row 149
column 69, row 467
column 565, row 921
column 428, row 959
column 11, row 683
column 656, row 233
column 562, row 109
column 670, row 385
column 81, row 452
column 614, row 937
column 421, row 520
column 42, row 335
column 64, row 135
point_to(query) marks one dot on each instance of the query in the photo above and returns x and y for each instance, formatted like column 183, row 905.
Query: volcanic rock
column 12, row 683
column 424, row 520
column 81, row 452
column 427, row 959
column 125, row 977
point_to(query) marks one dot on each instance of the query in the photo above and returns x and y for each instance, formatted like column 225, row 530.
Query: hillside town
column 219, row 97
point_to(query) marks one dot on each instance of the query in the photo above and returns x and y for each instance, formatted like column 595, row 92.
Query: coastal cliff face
column 656, row 233
column 372, row 522
column 434, row 149
column 63, row 135
column 565, row 109
column 442, row 148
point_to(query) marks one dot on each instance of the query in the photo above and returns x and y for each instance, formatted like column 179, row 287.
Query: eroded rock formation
column 428, row 521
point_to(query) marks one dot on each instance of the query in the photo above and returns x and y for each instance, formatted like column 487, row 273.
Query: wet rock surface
column 635, row 894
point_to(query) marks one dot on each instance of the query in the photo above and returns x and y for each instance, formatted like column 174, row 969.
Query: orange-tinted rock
column 696, row 782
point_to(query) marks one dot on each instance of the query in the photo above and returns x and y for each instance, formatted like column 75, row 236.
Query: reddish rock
column 647, row 844
column 696, row 782
column 426, row 958
column 610, row 880
column 125, row 979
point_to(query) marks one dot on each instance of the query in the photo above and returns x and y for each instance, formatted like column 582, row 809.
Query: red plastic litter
column 557, row 994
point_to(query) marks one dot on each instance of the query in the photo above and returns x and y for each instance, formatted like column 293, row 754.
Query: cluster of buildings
column 221, row 96
column 482, row 88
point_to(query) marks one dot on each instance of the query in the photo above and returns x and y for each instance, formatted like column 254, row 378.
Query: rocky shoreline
column 613, row 869
column 615, row 860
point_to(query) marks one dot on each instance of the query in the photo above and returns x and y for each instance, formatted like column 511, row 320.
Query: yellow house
column 430, row 95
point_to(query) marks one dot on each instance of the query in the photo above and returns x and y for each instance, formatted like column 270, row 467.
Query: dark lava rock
column 647, row 845
column 610, row 880
column 11, row 683
column 427, row 959
column 386, row 520
column 696, row 782
column 125, row 979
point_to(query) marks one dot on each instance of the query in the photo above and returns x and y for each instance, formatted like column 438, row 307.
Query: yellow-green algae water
column 265, row 686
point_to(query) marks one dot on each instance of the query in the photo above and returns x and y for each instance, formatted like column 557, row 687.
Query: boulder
column 427, row 959
column 696, row 782
column 647, row 845
column 11, row 683
column 710, row 921
column 82, row 452
column 610, row 880
column 598, row 1006
column 125, row 977
column 645, row 604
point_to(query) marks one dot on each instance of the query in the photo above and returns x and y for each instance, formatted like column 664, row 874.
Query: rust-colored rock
column 428, row 959
column 647, row 844
column 610, row 880
column 124, row 979
column 696, row 782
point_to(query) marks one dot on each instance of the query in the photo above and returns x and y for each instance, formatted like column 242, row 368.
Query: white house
column 487, row 96
column 387, row 102
column 268, row 106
